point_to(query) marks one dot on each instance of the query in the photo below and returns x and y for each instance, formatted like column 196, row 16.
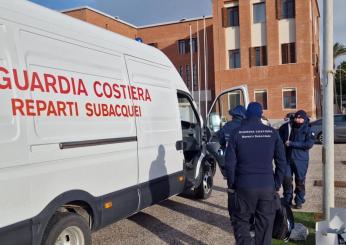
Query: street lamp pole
column 328, row 111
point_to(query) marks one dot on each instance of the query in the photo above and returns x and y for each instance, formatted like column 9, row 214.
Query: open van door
column 218, row 116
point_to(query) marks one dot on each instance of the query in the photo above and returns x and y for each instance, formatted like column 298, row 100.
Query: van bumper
column 17, row 234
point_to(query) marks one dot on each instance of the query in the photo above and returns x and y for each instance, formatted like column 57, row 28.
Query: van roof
column 31, row 14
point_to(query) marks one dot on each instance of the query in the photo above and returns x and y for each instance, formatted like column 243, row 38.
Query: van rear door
column 218, row 116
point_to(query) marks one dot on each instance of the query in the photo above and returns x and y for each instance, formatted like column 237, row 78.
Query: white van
column 93, row 128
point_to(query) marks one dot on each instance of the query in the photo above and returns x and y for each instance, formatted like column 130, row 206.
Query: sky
column 145, row 12
column 139, row 12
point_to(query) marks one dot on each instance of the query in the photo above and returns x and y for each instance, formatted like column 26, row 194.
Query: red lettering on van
column 41, row 106
column 81, row 88
column 17, row 107
column 147, row 95
column 96, row 91
column 17, row 83
column 64, row 81
column 50, row 82
column 7, row 80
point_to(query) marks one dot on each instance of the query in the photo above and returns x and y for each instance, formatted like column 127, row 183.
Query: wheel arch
column 68, row 200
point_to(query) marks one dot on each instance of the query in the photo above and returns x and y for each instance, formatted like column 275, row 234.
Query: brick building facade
column 172, row 38
column 272, row 46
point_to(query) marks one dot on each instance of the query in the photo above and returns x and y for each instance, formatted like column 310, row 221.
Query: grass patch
column 307, row 219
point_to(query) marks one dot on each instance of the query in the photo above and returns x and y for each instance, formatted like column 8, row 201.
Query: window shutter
column 284, row 53
column 294, row 8
column 264, row 56
column 292, row 48
column 225, row 17
column 278, row 9
column 252, row 57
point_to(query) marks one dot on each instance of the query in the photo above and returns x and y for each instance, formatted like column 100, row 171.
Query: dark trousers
column 252, row 206
column 298, row 169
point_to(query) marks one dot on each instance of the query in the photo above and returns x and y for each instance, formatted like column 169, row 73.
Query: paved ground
column 181, row 220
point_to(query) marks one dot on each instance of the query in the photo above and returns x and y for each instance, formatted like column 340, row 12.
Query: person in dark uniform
column 300, row 141
column 238, row 114
column 252, row 184
column 286, row 128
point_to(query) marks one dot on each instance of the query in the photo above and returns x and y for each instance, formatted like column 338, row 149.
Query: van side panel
column 13, row 146
column 158, row 131
column 51, row 169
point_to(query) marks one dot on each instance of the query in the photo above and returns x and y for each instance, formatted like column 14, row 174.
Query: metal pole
column 199, row 68
column 205, row 70
column 328, row 110
column 191, row 68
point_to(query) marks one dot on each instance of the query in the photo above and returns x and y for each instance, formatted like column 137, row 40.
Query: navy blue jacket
column 224, row 134
column 302, row 140
column 250, row 154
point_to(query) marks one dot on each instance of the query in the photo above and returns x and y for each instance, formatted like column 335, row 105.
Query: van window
column 219, row 114
column 187, row 113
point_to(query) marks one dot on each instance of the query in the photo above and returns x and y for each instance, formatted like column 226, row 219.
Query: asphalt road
column 182, row 220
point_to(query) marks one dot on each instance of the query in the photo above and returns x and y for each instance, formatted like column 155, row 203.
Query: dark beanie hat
column 254, row 109
column 302, row 114
column 239, row 112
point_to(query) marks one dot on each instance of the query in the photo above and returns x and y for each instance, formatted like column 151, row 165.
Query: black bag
column 283, row 223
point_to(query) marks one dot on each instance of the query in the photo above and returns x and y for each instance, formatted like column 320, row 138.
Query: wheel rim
column 70, row 236
column 207, row 182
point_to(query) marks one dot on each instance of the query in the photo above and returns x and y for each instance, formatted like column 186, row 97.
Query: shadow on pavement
column 218, row 188
column 212, row 205
column 165, row 232
column 205, row 216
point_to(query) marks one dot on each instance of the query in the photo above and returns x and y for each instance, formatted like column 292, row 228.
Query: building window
column 259, row 12
column 195, row 77
column 261, row 96
column 234, row 58
column 289, row 96
column 288, row 53
column 233, row 16
column 258, row 56
column 285, row 9
column 188, row 74
column 181, row 71
column 153, row 45
column 184, row 46
column 230, row 16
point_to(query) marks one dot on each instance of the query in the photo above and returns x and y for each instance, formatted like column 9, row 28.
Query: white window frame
column 282, row 98
column 259, row 91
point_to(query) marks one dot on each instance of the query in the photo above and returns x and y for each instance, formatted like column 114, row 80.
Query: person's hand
column 288, row 143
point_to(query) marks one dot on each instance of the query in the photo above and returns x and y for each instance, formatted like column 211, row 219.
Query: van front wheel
column 203, row 191
column 67, row 229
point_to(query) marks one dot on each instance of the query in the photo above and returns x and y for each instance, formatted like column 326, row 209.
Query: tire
column 320, row 138
column 203, row 191
column 67, row 228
